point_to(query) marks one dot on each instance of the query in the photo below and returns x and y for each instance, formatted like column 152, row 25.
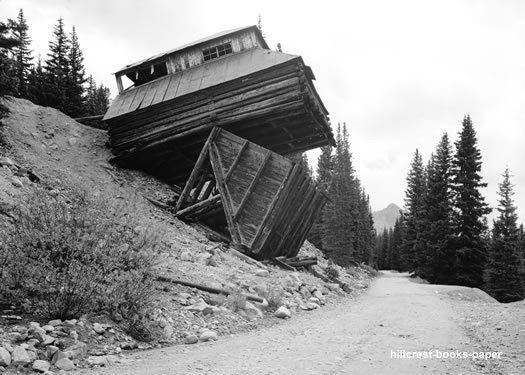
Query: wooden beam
column 236, row 161
column 195, row 173
column 252, row 184
column 190, row 209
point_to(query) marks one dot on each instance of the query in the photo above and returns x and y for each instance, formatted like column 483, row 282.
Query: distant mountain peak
column 386, row 218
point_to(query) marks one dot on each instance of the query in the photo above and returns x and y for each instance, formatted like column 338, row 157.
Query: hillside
column 42, row 147
column 386, row 217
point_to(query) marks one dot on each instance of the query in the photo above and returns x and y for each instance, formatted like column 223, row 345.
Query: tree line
column 344, row 230
column 443, row 234
column 59, row 81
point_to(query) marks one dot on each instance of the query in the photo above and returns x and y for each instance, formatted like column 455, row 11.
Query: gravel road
column 353, row 337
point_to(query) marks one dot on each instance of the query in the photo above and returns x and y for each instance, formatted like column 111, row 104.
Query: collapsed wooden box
column 263, row 201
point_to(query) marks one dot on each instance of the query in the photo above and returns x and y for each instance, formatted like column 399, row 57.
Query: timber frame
column 262, row 200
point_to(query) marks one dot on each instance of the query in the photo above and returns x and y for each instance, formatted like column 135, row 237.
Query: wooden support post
column 207, row 202
column 252, row 184
column 195, row 173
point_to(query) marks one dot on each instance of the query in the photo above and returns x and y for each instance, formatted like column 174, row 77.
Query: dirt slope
column 66, row 155
column 355, row 337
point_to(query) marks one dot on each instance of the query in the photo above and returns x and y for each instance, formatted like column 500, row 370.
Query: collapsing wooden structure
column 215, row 119
column 264, row 200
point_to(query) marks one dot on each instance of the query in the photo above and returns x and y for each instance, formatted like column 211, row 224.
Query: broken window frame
column 217, row 51
column 146, row 73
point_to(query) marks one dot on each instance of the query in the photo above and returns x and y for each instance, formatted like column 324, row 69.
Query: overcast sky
column 399, row 73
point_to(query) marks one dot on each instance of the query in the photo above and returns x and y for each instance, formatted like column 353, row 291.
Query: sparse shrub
column 331, row 272
column 274, row 297
column 368, row 269
column 78, row 256
column 236, row 301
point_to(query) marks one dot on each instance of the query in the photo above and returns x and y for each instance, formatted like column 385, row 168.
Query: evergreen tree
column 397, row 256
column 37, row 84
column 21, row 53
column 279, row 47
column 439, row 232
column 382, row 250
column 413, row 245
column 338, row 225
column 75, row 78
column 8, row 80
column 57, row 68
column 504, row 281
column 323, row 179
column 470, row 208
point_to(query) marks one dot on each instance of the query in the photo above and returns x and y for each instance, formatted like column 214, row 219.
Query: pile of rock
column 20, row 176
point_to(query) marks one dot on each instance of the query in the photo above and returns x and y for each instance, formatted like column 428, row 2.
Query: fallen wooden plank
column 208, row 289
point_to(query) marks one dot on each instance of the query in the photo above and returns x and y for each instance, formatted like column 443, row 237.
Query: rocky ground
column 43, row 147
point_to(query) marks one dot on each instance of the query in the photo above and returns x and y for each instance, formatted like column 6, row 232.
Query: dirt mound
column 463, row 293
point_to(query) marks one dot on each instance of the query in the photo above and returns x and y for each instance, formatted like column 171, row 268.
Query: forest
column 443, row 234
column 58, row 80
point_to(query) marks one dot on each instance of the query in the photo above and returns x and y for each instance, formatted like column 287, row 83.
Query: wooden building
column 263, row 201
column 162, row 117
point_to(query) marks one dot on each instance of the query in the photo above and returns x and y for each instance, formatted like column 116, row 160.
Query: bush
column 332, row 272
column 370, row 270
column 236, row 301
column 75, row 256
column 274, row 297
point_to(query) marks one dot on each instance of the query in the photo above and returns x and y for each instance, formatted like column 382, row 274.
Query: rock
column 99, row 328
column 41, row 365
column 208, row 336
column 310, row 306
column 71, row 322
column 130, row 345
column 20, row 357
column 252, row 312
column 55, row 322
column 48, row 328
column 76, row 351
column 72, row 141
column 282, row 312
column 58, row 356
column 7, row 162
column 197, row 307
column 318, row 294
column 16, row 182
column 315, row 300
column 50, row 350
column 262, row 273
column 191, row 339
column 16, row 336
column 48, row 340
column 5, row 357
column 186, row 256
column 102, row 360
column 65, row 364
column 38, row 333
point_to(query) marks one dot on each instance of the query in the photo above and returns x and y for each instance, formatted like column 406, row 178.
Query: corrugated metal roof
column 203, row 76
column 193, row 44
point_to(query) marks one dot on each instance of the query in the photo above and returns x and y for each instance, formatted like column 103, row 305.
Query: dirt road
column 354, row 337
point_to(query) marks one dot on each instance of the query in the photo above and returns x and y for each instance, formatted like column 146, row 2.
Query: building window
column 217, row 51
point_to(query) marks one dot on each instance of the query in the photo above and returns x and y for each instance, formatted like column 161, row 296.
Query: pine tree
column 470, row 207
column 8, row 80
column 397, row 257
column 75, row 78
column 57, row 68
column 413, row 245
column 323, row 179
column 21, row 53
column 338, row 225
column 504, row 280
column 439, row 232
column 37, row 84
column 382, row 250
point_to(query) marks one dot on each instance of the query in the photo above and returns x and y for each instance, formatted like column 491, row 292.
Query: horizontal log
column 208, row 289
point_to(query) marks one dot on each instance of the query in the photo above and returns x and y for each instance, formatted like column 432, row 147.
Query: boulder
column 48, row 340
column 76, row 351
column 101, row 360
column 48, row 328
column 252, row 312
column 50, row 351
column 186, row 256
column 7, row 162
column 283, row 313
column 208, row 336
column 41, row 365
column 99, row 328
column 55, row 322
column 65, row 364
column 262, row 273
column 191, row 339
column 16, row 182
column 20, row 357
column 5, row 357
column 197, row 307
column 58, row 356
